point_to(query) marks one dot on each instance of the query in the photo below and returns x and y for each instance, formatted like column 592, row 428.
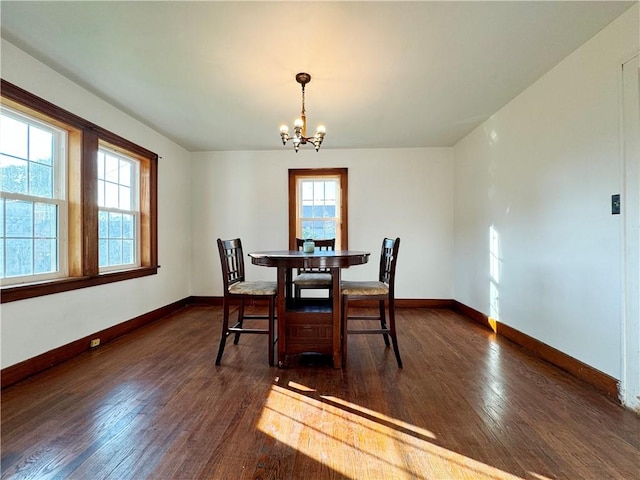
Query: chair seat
column 316, row 279
column 364, row 288
column 254, row 287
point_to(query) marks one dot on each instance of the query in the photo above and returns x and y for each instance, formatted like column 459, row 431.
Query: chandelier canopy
column 300, row 125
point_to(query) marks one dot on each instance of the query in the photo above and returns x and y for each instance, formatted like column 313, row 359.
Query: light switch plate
column 615, row 204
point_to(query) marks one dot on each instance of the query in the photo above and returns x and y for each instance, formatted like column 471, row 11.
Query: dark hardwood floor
column 152, row 405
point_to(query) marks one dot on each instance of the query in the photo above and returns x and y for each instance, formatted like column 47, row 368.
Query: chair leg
column 343, row 325
column 240, row 320
column 392, row 331
column 383, row 321
column 225, row 328
column 271, row 327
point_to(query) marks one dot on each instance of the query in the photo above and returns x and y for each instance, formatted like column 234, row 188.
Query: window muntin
column 33, row 201
column 118, row 211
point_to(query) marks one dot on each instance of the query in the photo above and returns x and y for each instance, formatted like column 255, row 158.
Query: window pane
column 45, row 220
column 125, row 198
column 115, row 252
column 307, row 229
column 111, row 195
column 13, row 137
column 14, row 175
column 125, row 173
column 19, row 257
column 41, row 180
column 101, row 164
column 45, row 256
column 19, row 218
column 307, row 190
column 330, row 230
column 318, row 191
column 330, row 191
column 103, row 253
column 330, row 211
column 111, row 167
column 318, row 230
column 101, row 193
column 115, row 225
column 40, row 146
column 103, row 224
column 127, row 226
column 127, row 252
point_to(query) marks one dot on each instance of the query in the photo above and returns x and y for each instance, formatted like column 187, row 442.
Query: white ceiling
column 220, row 75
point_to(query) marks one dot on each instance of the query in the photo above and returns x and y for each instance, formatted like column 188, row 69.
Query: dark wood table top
column 317, row 259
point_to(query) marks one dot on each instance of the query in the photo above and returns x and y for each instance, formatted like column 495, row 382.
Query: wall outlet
column 94, row 343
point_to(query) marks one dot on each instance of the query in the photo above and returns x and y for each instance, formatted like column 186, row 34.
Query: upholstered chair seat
column 255, row 287
column 314, row 278
column 364, row 288
column 318, row 280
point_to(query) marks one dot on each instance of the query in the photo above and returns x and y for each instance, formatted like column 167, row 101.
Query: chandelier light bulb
column 298, row 122
column 321, row 129
column 284, row 129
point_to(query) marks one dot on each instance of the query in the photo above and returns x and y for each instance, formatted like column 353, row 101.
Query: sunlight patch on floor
column 360, row 443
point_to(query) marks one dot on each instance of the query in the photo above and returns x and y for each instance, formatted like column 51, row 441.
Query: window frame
column 83, row 140
column 297, row 174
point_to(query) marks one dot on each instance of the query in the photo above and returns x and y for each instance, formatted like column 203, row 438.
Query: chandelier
column 300, row 125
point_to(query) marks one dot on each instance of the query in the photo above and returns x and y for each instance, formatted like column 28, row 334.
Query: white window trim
column 299, row 205
column 135, row 204
column 59, row 199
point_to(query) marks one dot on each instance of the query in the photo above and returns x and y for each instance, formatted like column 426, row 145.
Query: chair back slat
column 322, row 245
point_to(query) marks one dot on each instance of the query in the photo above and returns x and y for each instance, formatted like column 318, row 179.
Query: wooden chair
column 314, row 278
column 236, row 288
column 382, row 291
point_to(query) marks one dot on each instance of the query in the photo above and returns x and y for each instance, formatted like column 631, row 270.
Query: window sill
column 12, row 293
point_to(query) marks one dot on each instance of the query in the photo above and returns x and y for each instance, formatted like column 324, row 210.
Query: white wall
column 31, row 327
column 404, row 193
column 541, row 171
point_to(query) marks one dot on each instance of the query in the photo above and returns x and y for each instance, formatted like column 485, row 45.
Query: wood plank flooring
column 467, row 405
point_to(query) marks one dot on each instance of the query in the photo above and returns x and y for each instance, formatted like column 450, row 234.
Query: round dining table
column 310, row 325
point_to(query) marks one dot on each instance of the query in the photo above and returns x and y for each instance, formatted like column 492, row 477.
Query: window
column 78, row 203
column 317, row 205
column 32, row 199
column 318, row 208
column 118, row 211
